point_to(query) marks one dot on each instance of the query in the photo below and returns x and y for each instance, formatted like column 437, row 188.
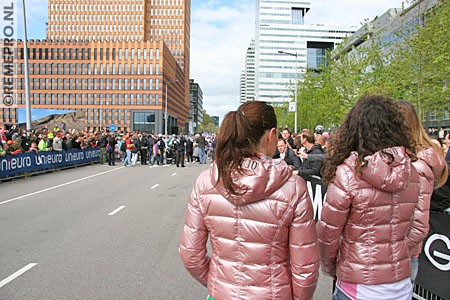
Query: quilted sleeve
column 420, row 225
column 332, row 221
column 304, row 251
column 193, row 249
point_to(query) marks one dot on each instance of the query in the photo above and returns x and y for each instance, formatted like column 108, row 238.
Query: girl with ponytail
column 256, row 213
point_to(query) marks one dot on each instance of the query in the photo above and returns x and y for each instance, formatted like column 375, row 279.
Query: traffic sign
column 112, row 127
column 291, row 106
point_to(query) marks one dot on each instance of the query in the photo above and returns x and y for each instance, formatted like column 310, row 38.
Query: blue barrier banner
column 12, row 165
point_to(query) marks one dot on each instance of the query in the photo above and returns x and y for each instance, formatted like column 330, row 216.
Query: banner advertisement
column 434, row 261
column 30, row 162
column 317, row 191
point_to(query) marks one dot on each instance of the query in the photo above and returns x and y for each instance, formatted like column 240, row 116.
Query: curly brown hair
column 372, row 125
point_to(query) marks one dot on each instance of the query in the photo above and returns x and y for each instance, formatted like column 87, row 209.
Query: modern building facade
column 113, row 60
column 285, row 47
column 195, row 105
column 391, row 27
column 247, row 88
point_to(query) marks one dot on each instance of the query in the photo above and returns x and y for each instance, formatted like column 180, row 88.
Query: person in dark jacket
column 110, row 149
column 143, row 139
column 286, row 135
column 287, row 154
column 309, row 168
column 189, row 150
column 102, row 145
column 180, row 151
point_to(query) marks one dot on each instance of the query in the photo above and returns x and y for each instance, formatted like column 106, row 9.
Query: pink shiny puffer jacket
column 430, row 165
column 264, row 243
column 366, row 219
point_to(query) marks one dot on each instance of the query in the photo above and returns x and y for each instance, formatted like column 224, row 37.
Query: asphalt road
column 99, row 232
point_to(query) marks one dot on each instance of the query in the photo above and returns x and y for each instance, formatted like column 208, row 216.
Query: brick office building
column 112, row 60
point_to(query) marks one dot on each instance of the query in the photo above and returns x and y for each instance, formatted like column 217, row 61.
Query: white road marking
column 17, row 274
column 58, row 186
column 154, row 187
column 116, row 211
column 173, row 174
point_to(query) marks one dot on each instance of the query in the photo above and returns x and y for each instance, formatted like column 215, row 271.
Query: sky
column 221, row 31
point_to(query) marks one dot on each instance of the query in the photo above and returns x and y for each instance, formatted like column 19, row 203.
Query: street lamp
column 101, row 113
column 296, row 84
column 165, row 114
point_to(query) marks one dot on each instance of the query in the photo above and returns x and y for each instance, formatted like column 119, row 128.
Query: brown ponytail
column 240, row 133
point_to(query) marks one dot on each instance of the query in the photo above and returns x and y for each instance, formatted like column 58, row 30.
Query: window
column 144, row 121
column 297, row 15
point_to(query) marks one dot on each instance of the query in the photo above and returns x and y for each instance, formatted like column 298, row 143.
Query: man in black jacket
column 180, row 148
column 309, row 168
column 143, row 139
column 286, row 135
column 189, row 149
column 110, row 149
column 287, row 154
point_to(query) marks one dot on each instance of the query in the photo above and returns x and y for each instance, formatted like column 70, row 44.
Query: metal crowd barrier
column 422, row 293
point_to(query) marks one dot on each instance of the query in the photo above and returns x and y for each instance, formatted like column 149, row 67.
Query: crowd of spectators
column 147, row 148
column 15, row 140
column 157, row 149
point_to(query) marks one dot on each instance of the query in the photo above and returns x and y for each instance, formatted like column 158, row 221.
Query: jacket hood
column 387, row 170
column 262, row 177
column 433, row 160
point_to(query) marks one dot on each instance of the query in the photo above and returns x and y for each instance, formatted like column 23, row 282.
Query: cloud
column 347, row 12
column 220, row 36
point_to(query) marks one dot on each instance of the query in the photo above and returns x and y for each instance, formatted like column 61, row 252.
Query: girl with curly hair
column 368, row 212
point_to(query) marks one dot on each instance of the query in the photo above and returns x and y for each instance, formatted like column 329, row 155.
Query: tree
column 208, row 124
column 285, row 118
column 419, row 68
